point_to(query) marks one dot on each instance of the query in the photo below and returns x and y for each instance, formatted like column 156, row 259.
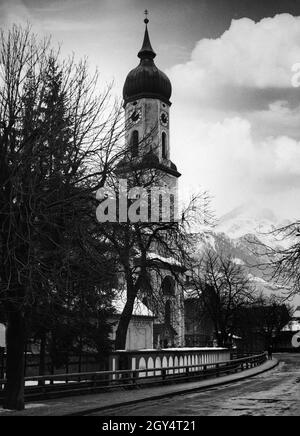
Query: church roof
column 146, row 50
column 139, row 309
column 147, row 161
column 146, row 80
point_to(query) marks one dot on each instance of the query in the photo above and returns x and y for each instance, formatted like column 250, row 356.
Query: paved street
column 274, row 393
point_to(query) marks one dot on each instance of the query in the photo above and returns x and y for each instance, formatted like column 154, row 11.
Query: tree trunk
column 15, row 343
column 42, row 363
column 2, row 351
column 80, row 354
column 121, row 334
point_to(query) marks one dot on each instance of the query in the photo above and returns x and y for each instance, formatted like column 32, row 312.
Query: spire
column 146, row 50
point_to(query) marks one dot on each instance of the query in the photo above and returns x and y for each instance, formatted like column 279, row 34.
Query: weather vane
column 146, row 12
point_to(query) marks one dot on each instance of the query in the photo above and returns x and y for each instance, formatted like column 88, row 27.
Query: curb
column 214, row 383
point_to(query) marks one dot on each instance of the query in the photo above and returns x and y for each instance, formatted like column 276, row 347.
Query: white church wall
column 139, row 334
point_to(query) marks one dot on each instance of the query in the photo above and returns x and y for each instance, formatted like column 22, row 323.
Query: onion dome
column 146, row 80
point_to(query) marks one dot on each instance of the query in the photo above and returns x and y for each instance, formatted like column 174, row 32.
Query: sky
column 235, row 112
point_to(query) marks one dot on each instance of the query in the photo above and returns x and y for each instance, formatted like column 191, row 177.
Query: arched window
column 164, row 145
column 167, row 286
column 168, row 312
column 135, row 143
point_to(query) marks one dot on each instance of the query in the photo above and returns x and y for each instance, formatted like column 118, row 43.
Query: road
column 274, row 393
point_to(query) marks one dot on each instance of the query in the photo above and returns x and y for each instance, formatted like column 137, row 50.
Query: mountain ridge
column 244, row 233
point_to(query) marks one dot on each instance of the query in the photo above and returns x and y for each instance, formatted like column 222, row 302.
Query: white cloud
column 225, row 158
column 236, row 119
column 248, row 54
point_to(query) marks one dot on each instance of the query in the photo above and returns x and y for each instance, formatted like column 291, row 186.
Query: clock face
column 164, row 119
column 135, row 116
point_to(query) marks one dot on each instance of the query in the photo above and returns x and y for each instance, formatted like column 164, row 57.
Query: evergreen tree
column 58, row 143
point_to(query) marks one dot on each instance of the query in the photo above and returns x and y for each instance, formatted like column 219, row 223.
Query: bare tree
column 223, row 289
column 260, row 323
column 284, row 260
column 147, row 249
column 59, row 140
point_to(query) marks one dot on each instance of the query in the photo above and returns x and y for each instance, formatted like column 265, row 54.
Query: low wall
column 84, row 363
column 166, row 358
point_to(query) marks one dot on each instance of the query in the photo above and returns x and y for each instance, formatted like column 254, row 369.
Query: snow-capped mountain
column 251, row 220
column 243, row 233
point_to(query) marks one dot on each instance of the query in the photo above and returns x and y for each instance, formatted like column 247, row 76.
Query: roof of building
column 146, row 80
column 139, row 308
column 297, row 313
column 146, row 161
column 292, row 326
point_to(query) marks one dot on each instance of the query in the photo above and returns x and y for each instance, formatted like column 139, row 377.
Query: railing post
column 187, row 371
column 2, row 363
column 134, row 377
column 43, row 386
column 163, row 373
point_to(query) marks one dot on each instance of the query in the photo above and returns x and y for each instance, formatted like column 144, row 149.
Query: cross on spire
column 146, row 12
column 146, row 51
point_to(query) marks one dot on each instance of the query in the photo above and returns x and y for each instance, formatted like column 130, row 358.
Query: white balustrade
column 167, row 358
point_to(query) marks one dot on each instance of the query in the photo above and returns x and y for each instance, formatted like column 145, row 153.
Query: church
column 146, row 94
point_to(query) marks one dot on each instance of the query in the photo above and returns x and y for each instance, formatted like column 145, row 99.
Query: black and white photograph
column 149, row 211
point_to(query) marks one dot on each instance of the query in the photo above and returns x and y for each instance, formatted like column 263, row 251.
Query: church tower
column 146, row 94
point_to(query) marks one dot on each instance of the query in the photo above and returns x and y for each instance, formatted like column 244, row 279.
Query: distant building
column 284, row 339
column 294, row 324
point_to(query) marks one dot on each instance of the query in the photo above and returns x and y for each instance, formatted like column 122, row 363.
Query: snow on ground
column 27, row 407
column 47, row 382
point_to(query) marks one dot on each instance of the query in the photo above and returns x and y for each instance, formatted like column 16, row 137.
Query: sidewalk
column 85, row 404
